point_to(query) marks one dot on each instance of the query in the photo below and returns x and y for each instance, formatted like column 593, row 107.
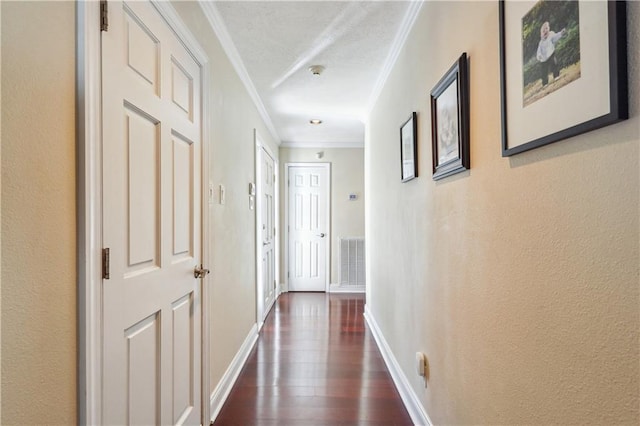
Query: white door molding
column 89, row 210
column 89, row 202
column 287, row 166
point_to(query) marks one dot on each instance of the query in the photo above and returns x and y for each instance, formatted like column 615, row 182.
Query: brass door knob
column 200, row 272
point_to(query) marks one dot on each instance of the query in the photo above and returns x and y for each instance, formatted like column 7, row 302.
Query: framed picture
column 563, row 70
column 450, row 121
column 408, row 148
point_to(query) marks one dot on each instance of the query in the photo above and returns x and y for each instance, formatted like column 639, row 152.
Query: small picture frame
column 408, row 148
column 563, row 70
column 450, row 121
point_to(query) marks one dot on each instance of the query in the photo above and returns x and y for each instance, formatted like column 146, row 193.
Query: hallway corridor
column 315, row 364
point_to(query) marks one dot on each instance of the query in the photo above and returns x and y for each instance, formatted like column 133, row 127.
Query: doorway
column 142, row 161
column 266, row 230
column 308, row 226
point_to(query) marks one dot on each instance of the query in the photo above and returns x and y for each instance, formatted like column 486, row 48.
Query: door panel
column 151, row 221
column 142, row 137
column 182, row 197
column 181, row 88
column 182, row 347
column 142, row 49
column 143, row 362
column 268, row 291
column 308, row 227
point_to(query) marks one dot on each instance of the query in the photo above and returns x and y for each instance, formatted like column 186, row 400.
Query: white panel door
column 267, row 225
column 308, row 227
column 151, row 222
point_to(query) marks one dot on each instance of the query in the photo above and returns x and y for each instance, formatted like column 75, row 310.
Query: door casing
column 327, row 166
column 89, row 203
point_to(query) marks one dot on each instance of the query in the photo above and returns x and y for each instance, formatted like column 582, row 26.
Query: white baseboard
column 411, row 401
column 221, row 392
column 336, row 288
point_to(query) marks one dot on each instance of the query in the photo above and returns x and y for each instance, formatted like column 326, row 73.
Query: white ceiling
column 273, row 43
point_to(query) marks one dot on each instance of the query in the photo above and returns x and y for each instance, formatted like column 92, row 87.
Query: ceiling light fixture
column 315, row 121
column 316, row 70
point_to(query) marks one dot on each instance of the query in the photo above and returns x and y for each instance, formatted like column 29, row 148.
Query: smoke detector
column 316, row 70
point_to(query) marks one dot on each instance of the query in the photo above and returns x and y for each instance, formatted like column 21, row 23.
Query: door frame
column 327, row 167
column 89, row 203
column 260, row 145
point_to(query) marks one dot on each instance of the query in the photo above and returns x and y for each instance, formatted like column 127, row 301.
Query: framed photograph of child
column 408, row 148
column 450, row 121
column 563, row 70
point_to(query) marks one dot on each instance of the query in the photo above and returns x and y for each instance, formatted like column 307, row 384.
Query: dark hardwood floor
column 315, row 364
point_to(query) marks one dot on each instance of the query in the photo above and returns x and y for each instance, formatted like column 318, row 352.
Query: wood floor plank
column 314, row 364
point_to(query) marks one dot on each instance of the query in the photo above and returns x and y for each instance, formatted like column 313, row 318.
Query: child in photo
column 546, row 52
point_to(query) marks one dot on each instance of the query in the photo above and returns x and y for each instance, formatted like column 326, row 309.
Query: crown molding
column 396, row 48
column 357, row 144
column 217, row 24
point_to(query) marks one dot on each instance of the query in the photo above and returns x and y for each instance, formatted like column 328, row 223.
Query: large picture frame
column 563, row 70
column 409, row 148
column 450, row 121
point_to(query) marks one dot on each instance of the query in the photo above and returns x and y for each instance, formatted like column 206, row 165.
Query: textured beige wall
column 38, row 213
column 0, row 218
column 347, row 177
column 519, row 278
column 233, row 117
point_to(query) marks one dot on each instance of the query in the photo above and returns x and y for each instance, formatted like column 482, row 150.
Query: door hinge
column 105, row 263
column 104, row 16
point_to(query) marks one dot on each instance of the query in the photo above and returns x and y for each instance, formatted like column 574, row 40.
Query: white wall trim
column 336, row 288
column 411, row 401
column 398, row 43
column 89, row 211
column 257, row 216
column 219, row 27
column 208, row 241
column 355, row 144
column 221, row 392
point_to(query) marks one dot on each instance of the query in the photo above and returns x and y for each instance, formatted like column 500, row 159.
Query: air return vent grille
column 352, row 262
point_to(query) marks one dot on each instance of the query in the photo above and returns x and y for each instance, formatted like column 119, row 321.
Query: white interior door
column 308, row 227
column 151, row 322
column 266, row 194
